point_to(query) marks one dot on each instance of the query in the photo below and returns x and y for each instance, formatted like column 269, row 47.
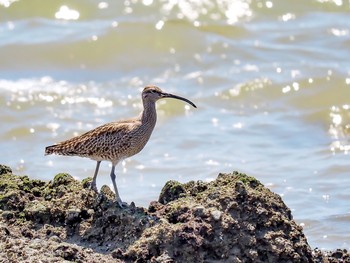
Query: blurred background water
column 271, row 80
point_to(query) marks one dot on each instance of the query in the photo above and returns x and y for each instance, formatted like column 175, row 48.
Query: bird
column 118, row 140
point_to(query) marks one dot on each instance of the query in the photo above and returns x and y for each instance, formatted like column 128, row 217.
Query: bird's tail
column 53, row 149
column 61, row 149
column 50, row 149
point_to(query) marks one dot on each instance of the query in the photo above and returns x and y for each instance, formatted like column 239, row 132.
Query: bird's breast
column 139, row 139
column 133, row 141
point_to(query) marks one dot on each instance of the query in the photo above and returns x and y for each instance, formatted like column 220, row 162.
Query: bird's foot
column 94, row 187
column 122, row 204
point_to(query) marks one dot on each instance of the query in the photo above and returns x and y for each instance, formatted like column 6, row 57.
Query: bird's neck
column 149, row 114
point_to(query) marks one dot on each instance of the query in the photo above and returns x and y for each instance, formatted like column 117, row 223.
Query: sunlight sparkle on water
column 65, row 13
column 7, row 3
column 102, row 5
column 238, row 125
column 294, row 73
column 194, row 9
column 286, row 89
column 52, row 126
column 99, row 102
column 269, row 4
column 236, row 10
column 336, row 119
column 339, row 128
column 336, row 2
column 140, row 167
column 147, row 2
column 159, row 25
column 212, row 163
column 215, row 122
column 187, row 107
column 339, row 32
column 325, row 197
column 287, row 17
column 295, row 86
column 47, row 98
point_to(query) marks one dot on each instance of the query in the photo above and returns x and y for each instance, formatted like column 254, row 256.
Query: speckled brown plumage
column 111, row 142
column 115, row 141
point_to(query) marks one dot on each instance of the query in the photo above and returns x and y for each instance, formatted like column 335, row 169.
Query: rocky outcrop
column 232, row 219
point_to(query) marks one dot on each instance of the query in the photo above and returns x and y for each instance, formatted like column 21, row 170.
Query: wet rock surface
column 232, row 219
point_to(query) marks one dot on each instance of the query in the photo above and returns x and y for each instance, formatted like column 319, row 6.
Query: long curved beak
column 168, row 95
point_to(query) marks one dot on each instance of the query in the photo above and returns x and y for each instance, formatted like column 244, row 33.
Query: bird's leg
column 117, row 197
column 93, row 183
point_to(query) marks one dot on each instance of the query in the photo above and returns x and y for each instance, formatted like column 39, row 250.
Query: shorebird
column 118, row 140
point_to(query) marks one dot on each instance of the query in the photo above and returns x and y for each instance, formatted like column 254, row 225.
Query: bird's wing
column 97, row 141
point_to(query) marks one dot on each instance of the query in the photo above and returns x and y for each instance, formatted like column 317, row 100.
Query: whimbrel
column 118, row 140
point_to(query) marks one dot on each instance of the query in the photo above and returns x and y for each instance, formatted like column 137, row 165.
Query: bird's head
column 153, row 93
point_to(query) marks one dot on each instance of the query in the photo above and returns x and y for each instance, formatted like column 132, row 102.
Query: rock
column 7, row 215
column 36, row 211
column 68, row 252
column 231, row 219
column 216, row 214
column 73, row 216
column 62, row 179
column 171, row 191
column 5, row 169
column 339, row 255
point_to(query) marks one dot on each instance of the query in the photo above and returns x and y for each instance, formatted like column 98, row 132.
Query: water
column 271, row 80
